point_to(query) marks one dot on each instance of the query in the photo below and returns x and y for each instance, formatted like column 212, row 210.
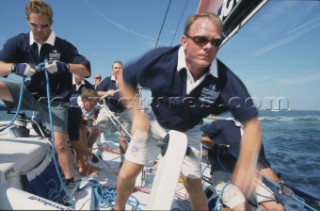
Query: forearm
column 79, row 69
column 205, row 140
column 110, row 92
column 270, row 174
column 251, row 143
column 130, row 99
column 5, row 68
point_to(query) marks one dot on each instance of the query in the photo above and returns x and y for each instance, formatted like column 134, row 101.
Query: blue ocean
column 292, row 146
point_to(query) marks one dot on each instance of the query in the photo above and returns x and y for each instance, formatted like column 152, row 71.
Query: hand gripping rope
column 41, row 67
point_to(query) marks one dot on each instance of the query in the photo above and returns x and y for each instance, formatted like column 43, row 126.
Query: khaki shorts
column 106, row 121
column 232, row 195
column 146, row 151
column 59, row 108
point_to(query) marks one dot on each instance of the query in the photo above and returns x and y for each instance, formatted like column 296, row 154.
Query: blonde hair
column 90, row 94
column 211, row 16
column 40, row 7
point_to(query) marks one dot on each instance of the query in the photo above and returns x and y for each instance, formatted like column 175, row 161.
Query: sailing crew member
column 187, row 83
column 21, row 54
column 223, row 139
column 109, row 87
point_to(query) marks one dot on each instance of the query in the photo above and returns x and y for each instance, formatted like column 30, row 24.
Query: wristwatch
column 13, row 67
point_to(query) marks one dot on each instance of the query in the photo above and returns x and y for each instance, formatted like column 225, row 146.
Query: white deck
column 23, row 154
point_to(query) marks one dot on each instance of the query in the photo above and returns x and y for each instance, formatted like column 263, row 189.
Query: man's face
column 97, row 80
column 89, row 104
column 199, row 55
column 117, row 70
column 40, row 27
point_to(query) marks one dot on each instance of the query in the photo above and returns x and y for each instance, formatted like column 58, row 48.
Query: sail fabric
column 233, row 13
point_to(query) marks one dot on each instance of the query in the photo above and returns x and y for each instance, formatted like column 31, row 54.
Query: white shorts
column 147, row 151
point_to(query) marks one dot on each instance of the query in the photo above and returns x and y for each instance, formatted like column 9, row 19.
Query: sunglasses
column 97, row 78
column 39, row 25
column 202, row 41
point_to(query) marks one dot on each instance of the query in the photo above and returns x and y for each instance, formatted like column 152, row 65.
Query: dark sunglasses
column 97, row 77
column 202, row 41
column 39, row 25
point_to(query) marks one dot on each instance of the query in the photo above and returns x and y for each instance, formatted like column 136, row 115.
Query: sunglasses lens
column 201, row 40
column 216, row 42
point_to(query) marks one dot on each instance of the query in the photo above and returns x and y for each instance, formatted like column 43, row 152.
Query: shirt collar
column 74, row 81
column 182, row 63
column 50, row 40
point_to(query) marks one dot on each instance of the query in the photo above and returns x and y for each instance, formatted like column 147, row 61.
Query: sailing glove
column 57, row 67
column 24, row 69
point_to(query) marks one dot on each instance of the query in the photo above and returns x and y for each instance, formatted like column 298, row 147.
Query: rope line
column 18, row 108
column 163, row 21
column 175, row 32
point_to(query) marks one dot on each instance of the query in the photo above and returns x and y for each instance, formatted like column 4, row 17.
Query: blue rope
column 295, row 197
column 64, row 187
column 106, row 196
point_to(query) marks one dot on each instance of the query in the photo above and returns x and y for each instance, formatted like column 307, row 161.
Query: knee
column 125, row 179
column 61, row 146
column 192, row 185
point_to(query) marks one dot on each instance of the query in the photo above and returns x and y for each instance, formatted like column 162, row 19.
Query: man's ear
column 183, row 41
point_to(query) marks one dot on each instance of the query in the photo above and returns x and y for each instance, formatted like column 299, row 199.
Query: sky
column 276, row 54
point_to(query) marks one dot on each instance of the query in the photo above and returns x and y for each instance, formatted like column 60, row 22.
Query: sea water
column 292, row 146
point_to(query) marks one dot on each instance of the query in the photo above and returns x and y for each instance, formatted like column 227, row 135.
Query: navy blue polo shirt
column 173, row 107
column 18, row 50
column 113, row 102
column 226, row 132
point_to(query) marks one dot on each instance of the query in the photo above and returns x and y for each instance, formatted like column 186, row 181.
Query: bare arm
column 129, row 97
column 207, row 141
column 79, row 69
column 110, row 92
column 5, row 68
column 244, row 172
column 269, row 173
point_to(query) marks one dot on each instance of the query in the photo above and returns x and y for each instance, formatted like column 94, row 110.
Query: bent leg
column 125, row 182
column 64, row 154
column 197, row 196
column 5, row 93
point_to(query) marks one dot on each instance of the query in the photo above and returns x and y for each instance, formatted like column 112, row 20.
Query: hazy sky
column 276, row 54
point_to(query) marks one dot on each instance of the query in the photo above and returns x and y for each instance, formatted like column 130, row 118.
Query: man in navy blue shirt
column 22, row 54
column 109, row 87
column 97, row 81
column 223, row 139
column 187, row 83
